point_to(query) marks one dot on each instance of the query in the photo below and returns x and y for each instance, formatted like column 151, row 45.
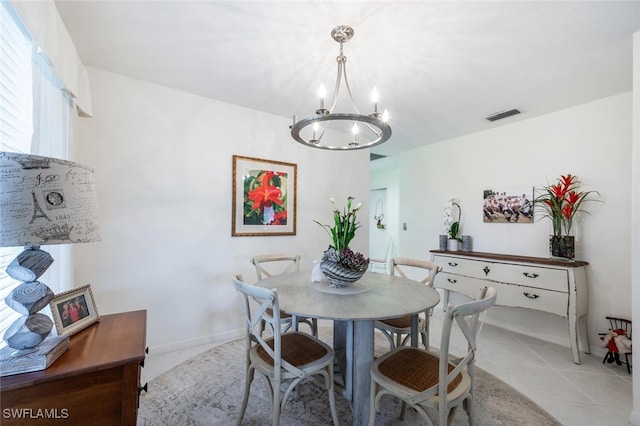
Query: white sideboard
column 554, row 286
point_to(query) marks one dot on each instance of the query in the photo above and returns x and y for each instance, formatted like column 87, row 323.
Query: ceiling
column 440, row 67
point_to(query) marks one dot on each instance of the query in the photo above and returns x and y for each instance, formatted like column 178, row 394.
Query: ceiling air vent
column 503, row 114
column 373, row 156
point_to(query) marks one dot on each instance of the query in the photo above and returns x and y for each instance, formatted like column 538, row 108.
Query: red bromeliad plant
column 561, row 202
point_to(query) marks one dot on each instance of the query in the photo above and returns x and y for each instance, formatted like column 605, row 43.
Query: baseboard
column 212, row 339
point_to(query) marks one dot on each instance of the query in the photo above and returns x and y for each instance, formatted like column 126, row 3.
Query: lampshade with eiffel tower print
column 43, row 201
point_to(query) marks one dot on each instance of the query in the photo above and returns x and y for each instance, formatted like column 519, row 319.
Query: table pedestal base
column 353, row 346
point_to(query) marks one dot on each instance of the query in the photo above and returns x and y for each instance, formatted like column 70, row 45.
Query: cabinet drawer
column 511, row 295
column 524, row 274
column 533, row 298
column 460, row 283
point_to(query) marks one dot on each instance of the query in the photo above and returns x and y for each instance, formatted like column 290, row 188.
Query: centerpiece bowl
column 338, row 275
column 339, row 264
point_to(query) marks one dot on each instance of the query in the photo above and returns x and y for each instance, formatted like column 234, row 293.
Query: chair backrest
column 265, row 299
column 402, row 266
column 278, row 264
column 468, row 318
column 616, row 323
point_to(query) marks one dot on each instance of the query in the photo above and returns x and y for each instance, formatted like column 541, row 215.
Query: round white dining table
column 354, row 311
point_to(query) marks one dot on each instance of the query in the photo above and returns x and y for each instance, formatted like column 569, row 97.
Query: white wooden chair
column 375, row 265
column 426, row 379
column 398, row 330
column 284, row 357
column 269, row 265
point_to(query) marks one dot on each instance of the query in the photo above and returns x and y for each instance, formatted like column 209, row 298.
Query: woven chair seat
column 415, row 369
column 402, row 322
column 282, row 313
column 298, row 349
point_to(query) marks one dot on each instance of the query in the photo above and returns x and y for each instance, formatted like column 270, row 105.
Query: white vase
column 452, row 245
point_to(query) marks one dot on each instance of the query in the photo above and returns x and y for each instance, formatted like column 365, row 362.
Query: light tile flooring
column 591, row 393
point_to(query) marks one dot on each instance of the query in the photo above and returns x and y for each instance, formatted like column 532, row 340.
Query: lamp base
column 22, row 352
column 30, row 264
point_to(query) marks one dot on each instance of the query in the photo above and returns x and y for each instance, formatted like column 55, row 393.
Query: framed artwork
column 508, row 205
column 264, row 197
column 74, row 310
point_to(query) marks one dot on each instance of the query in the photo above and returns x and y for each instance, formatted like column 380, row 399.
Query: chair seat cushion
column 415, row 369
column 298, row 349
column 402, row 322
column 283, row 314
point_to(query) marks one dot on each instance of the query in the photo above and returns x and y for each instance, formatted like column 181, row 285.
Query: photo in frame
column 508, row 205
column 264, row 197
column 74, row 310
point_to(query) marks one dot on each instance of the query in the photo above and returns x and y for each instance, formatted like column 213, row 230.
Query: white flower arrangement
column 451, row 225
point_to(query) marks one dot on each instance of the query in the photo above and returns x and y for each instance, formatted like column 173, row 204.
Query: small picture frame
column 74, row 310
column 264, row 197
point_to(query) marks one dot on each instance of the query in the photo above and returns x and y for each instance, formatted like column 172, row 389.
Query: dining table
column 354, row 309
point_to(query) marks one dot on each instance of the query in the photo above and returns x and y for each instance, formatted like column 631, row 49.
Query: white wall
column 592, row 141
column 635, row 224
column 163, row 165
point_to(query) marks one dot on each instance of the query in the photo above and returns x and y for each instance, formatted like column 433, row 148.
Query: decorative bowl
column 338, row 275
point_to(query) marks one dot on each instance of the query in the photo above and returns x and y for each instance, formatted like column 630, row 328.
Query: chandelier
column 365, row 131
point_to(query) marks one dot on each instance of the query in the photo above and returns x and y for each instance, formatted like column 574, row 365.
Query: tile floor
column 591, row 393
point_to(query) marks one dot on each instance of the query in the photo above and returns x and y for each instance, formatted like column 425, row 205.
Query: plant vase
column 339, row 275
column 453, row 244
column 562, row 247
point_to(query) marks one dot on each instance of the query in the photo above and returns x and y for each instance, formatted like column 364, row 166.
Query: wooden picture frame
column 264, row 197
column 74, row 310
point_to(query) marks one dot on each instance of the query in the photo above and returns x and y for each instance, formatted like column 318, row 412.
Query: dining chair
column 383, row 264
column 424, row 379
column 269, row 265
column 398, row 330
column 283, row 357
column 618, row 342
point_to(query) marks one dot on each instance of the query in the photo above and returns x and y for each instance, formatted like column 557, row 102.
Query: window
column 36, row 116
column 16, row 123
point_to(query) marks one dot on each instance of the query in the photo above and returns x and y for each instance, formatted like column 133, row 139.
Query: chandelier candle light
column 310, row 131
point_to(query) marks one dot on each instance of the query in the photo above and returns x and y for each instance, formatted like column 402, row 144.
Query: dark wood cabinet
column 96, row 381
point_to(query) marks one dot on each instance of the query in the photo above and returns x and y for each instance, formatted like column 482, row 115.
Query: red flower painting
column 265, row 201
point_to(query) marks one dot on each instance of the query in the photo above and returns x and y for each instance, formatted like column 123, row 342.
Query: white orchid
column 451, row 225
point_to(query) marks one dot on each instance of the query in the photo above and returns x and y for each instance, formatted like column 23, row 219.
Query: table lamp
column 43, row 201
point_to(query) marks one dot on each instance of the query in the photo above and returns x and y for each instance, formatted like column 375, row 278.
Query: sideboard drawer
column 518, row 296
column 512, row 295
column 460, row 284
column 527, row 275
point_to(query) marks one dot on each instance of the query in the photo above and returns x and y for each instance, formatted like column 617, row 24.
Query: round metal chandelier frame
column 374, row 122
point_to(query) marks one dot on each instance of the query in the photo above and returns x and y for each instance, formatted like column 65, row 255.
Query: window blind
column 16, row 123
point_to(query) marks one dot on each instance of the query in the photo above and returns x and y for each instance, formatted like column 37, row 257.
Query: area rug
column 207, row 390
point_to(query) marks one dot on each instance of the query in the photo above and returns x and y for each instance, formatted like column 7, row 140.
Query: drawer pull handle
column 453, row 264
column 486, row 270
column 531, row 296
column 528, row 275
column 452, row 281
